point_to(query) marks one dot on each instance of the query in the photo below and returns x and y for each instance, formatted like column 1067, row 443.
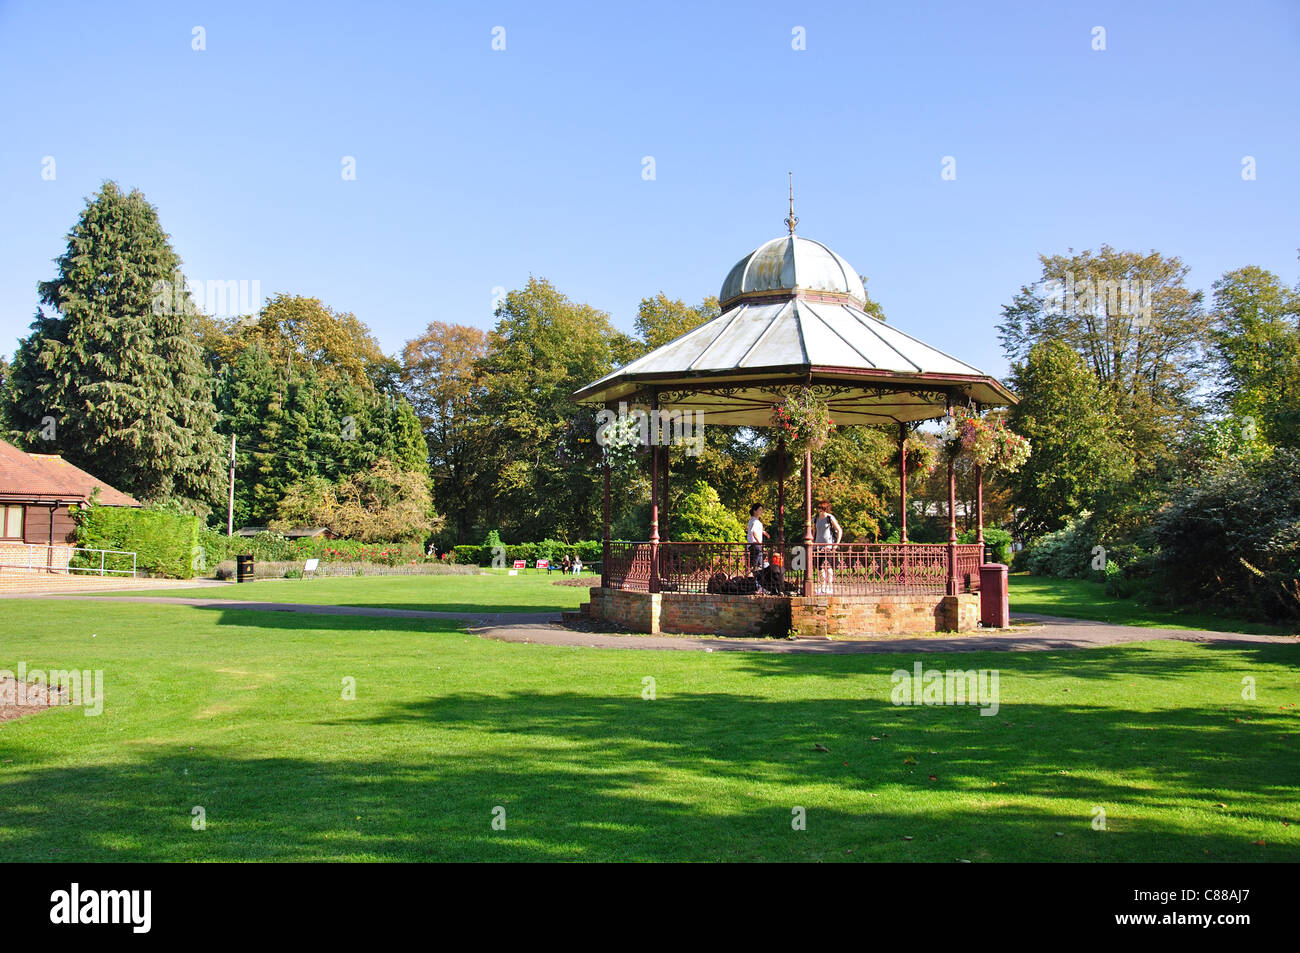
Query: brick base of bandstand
column 781, row 616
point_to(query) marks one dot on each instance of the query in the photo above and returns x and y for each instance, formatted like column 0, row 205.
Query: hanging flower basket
column 1012, row 449
column 622, row 441
column 804, row 420
column 921, row 457
column 991, row 444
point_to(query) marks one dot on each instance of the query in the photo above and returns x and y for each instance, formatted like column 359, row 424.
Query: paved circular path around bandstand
column 1031, row 633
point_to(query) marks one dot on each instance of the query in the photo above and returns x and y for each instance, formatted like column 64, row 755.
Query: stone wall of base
column 821, row 616
column 805, row 617
column 958, row 613
column 638, row 611
column 724, row 615
column 691, row 613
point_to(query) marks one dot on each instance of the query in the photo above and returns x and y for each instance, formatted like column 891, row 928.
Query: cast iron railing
column 850, row 569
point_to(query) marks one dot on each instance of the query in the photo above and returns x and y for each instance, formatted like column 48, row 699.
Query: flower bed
column 271, row 569
column 272, row 547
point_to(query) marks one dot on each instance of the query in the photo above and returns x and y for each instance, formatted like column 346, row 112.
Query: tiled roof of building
column 46, row 476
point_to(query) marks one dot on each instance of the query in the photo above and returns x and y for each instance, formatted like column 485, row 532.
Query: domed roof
column 791, row 263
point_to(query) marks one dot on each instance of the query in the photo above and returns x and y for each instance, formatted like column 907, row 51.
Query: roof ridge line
column 849, row 343
column 882, row 340
column 730, row 321
column 759, row 340
column 798, row 326
column 955, row 360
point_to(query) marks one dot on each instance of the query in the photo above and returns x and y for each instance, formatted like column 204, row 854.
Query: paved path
column 35, row 587
column 1044, row 633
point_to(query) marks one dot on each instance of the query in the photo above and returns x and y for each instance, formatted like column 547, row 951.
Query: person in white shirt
column 826, row 531
column 754, row 534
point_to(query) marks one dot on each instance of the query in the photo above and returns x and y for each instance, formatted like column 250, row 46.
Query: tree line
column 1131, row 383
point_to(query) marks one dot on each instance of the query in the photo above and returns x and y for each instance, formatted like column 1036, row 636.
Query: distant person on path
column 754, row 534
column 826, row 531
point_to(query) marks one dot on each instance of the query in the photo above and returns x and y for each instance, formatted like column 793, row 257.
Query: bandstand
column 793, row 317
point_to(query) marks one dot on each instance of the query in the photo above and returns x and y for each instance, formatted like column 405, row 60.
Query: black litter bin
column 244, row 568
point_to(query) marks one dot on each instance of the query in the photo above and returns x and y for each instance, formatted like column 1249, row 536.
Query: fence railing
column 629, row 566
column 720, row 568
column 869, row 569
column 65, row 560
column 850, row 569
column 969, row 557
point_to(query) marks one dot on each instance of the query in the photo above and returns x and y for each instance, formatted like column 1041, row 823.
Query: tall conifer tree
column 114, row 362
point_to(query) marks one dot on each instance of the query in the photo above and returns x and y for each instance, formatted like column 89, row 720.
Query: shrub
column 471, row 555
column 381, row 503
column 997, row 543
column 1232, row 541
column 272, row 569
column 589, row 551
column 166, row 542
column 264, row 547
column 701, row 516
column 1123, row 582
column 1066, row 553
column 272, row 547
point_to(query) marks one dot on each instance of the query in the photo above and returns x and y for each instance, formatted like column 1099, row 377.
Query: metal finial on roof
column 791, row 222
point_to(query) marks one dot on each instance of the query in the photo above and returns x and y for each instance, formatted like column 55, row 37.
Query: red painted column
column 952, row 520
column 663, row 504
column 604, row 549
column 902, row 481
column 979, row 509
column 810, row 568
column 905, row 569
column 780, row 500
column 654, row 493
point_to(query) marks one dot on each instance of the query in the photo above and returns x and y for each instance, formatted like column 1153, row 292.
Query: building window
column 13, row 522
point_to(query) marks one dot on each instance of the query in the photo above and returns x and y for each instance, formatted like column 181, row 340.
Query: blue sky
column 476, row 168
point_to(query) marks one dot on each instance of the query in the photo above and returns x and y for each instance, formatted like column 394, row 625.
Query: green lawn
column 488, row 592
column 1081, row 599
column 536, row 592
column 240, row 712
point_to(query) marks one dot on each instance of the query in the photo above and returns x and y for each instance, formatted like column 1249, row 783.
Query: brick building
column 36, row 491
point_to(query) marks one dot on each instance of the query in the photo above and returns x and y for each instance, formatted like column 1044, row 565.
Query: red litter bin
column 995, row 610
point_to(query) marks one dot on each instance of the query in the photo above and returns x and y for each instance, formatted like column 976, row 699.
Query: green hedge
column 166, row 543
column 588, row 551
column 272, row 547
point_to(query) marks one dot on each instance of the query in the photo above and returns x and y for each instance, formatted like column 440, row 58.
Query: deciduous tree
column 1079, row 446
column 1256, row 350
column 443, row 378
